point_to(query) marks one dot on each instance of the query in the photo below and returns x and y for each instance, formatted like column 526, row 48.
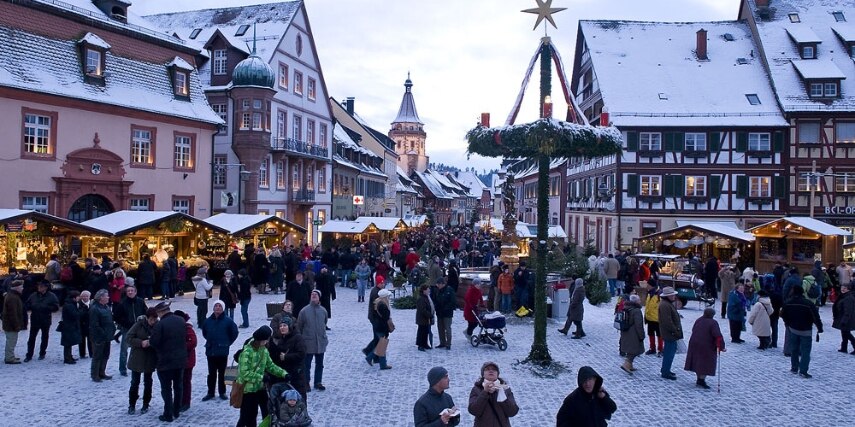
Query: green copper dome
column 253, row 71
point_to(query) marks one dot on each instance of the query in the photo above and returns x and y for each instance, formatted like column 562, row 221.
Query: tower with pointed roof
column 408, row 133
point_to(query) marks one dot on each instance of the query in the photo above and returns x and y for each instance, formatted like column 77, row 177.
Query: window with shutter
column 778, row 142
column 632, row 141
column 632, row 185
column 715, row 186
column 742, row 142
column 779, row 187
column 741, row 187
column 715, row 141
column 668, row 188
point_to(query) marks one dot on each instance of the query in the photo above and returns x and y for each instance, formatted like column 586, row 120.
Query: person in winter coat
column 704, row 345
column 453, row 277
column 325, row 282
column 277, row 271
column 435, row 407
column 671, row 329
column 14, row 319
column 190, row 342
column 506, row 289
column 96, row 280
column 117, row 285
column 471, row 304
column 521, row 282
column 843, row 311
column 229, row 293
column 446, row 302
column 425, row 312
column 101, row 330
column 632, row 339
column 146, row 277
column 244, row 295
column 298, row 292
column 288, row 351
column 727, row 277
column 142, row 361
column 311, row 324
column 219, row 331
column 83, row 303
column 589, row 405
column 41, row 304
column 200, row 299
column 491, row 400
column 799, row 316
column 651, row 317
column 736, row 309
column 70, row 326
column 380, row 328
column 169, row 339
column 575, row 310
column 253, row 363
column 125, row 314
column 760, row 319
column 363, row 273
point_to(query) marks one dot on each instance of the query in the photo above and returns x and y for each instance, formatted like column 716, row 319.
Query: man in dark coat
column 347, row 261
column 576, row 310
column 14, row 319
column 260, row 271
column 325, row 282
column 173, row 275
column 125, row 314
column 670, row 328
column 101, row 330
column 521, row 280
column 710, row 275
column 96, row 280
column 70, row 326
column 220, row 331
column 234, row 260
column 430, row 409
column 168, row 338
column 588, row 405
column 291, row 262
column 844, row 317
column 446, row 302
column 799, row 316
column 41, row 305
column 298, row 292
column 146, row 277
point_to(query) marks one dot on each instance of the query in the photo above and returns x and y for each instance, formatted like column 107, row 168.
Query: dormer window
column 824, row 90
column 808, row 52
column 179, row 72
column 93, row 52
column 805, row 39
column 94, row 66
column 838, row 16
column 180, row 83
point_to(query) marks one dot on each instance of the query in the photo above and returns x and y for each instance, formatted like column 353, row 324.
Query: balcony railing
column 303, row 195
column 298, row 147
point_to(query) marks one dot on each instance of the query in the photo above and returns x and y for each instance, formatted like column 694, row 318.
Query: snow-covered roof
column 846, row 32
column 531, row 170
column 816, row 226
column 649, row 75
column 50, row 66
column 415, row 220
column 818, row 69
column 780, row 51
column 472, row 182
column 238, row 223
column 383, row 223
column 360, row 167
column 429, row 181
column 448, row 183
column 346, row 227
column 340, row 135
column 407, row 112
column 721, row 228
column 94, row 40
column 270, row 20
column 524, row 230
column 124, row 222
column 405, row 184
column 8, row 216
column 801, row 33
column 180, row 63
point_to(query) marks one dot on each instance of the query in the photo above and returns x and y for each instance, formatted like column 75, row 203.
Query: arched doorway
column 88, row 207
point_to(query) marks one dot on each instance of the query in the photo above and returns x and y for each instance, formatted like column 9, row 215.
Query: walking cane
column 719, row 370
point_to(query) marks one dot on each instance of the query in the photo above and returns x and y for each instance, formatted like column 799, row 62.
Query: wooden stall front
column 704, row 239
column 799, row 241
column 263, row 231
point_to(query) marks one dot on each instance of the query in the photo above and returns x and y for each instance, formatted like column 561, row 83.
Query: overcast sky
column 465, row 56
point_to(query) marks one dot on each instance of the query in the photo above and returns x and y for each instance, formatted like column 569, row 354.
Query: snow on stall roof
column 801, row 33
column 818, row 69
column 8, row 215
column 96, row 41
column 780, row 50
column 347, row 227
column 50, row 66
column 119, row 222
column 845, row 32
column 636, row 61
column 382, row 222
column 236, row 223
column 812, row 224
column 723, row 228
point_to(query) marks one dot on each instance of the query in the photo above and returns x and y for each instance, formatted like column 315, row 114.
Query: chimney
column 348, row 104
column 701, row 50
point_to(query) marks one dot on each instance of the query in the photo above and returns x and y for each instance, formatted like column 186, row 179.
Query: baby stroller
column 281, row 413
column 490, row 330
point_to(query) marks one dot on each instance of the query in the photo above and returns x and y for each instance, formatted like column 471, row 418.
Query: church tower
column 408, row 133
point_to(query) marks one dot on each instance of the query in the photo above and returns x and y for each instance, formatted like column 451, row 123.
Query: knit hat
column 487, row 364
column 286, row 320
column 379, row 279
column 221, row 303
column 183, row 315
column 436, row 374
column 291, row 394
column 317, row 291
column 202, row 271
column 384, row 293
column 263, row 333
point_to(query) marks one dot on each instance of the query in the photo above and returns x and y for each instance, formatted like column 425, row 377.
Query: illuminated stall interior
column 722, row 240
column 799, row 241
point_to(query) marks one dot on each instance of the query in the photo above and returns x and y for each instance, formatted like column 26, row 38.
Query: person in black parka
column 589, row 405
column 70, row 326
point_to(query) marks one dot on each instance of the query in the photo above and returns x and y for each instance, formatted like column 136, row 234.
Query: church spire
column 407, row 113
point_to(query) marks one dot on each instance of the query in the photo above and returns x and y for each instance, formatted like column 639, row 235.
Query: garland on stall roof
column 563, row 139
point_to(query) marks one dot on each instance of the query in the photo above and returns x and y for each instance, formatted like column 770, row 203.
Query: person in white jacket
column 761, row 324
column 200, row 298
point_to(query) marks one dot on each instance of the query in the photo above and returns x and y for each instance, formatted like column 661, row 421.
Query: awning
column 10, row 218
column 791, row 225
column 239, row 223
column 126, row 222
column 383, row 223
column 715, row 229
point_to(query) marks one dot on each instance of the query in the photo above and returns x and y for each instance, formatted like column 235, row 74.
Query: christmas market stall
column 28, row 239
column 263, row 231
column 387, row 227
column 723, row 240
column 799, row 241
column 527, row 234
column 131, row 234
column 361, row 230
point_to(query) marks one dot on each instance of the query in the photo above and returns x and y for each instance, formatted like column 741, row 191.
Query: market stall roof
column 125, row 222
column 415, row 220
column 525, row 230
column 345, row 227
column 811, row 224
column 238, row 223
column 8, row 216
column 383, row 223
column 724, row 229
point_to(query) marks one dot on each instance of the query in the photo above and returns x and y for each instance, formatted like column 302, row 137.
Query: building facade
column 408, row 133
column 102, row 112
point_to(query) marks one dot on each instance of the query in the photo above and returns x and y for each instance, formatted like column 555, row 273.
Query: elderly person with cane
column 704, row 345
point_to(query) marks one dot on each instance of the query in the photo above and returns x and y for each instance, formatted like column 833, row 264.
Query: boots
column 702, row 383
column 627, row 366
column 652, row 340
column 563, row 331
column 131, row 409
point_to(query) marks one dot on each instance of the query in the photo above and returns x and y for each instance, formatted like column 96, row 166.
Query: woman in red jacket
column 471, row 302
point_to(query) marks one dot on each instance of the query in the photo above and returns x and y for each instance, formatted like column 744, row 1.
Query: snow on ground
column 756, row 387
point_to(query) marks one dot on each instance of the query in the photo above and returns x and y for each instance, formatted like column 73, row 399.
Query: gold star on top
column 543, row 10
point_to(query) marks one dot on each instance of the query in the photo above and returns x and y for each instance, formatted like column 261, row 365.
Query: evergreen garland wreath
column 545, row 136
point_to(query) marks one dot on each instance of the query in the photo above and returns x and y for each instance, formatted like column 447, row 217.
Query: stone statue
column 509, row 197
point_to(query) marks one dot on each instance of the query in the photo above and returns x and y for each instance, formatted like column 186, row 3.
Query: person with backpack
column 813, row 291
column 631, row 333
column 651, row 317
column 575, row 310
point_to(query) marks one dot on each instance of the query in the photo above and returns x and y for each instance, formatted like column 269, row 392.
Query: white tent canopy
column 236, row 223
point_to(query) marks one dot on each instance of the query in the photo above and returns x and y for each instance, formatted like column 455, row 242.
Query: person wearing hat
column 228, row 293
column 446, row 303
column 800, row 315
column 253, row 363
column 380, row 327
column 589, row 404
column 169, row 339
column 705, row 343
column 69, row 326
column 325, row 282
column 575, row 310
column 41, row 305
column 522, row 277
column 412, row 259
column 418, row 274
column 288, row 351
column 436, row 407
column 379, row 285
column 142, row 360
column 96, row 280
column 203, row 288
column 311, row 324
column 760, row 319
column 491, row 400
column 101, row 330
column 14, row 319
column 671, row 330
column 632, row 338
column 843, row 311
column 219, row 331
